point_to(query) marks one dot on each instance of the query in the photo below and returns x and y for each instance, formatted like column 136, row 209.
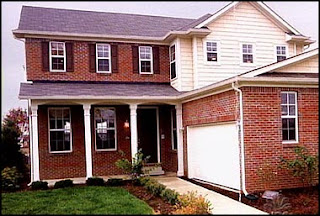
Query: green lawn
column 76, row 200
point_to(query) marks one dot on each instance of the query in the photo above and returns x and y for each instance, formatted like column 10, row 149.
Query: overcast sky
column 304, row 16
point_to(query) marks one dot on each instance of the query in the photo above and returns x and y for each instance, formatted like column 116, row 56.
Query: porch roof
column 65, row 90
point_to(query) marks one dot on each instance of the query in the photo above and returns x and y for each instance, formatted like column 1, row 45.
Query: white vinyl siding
column 186, row 64
column 310, row 65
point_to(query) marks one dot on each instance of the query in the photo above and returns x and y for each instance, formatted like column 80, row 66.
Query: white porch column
column 87, row 135
column 179, row 140
column 133, row 129
column 35, row 143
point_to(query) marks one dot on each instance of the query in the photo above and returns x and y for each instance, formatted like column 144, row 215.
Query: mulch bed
column 159, row 205
column 302, row 200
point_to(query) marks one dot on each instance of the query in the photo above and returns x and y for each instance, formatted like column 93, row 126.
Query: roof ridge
column 105, row 12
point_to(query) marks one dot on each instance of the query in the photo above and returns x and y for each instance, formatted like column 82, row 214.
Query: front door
column 148, row 133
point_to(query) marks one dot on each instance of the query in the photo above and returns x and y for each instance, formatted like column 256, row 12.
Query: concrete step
column 153, row 170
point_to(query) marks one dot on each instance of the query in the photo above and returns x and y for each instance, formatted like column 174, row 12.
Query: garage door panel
column 213, row 154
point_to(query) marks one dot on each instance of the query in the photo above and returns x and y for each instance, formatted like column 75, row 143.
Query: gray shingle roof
column 62, row 89
column 90, row 22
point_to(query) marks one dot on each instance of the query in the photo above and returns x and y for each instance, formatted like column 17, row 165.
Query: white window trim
column 71, row 138
column 295, row 117
column 253, row 54
column 275, row 51
column 151, row 61
column 174, row 61
column 172, row 137
column 115, row 131
column 97, row 58
column 205, row 57
column 51, row 56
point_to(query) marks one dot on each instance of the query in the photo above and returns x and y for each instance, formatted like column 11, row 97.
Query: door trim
column 158, row 127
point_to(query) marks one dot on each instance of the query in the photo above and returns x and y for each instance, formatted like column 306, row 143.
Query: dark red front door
column 147, row 132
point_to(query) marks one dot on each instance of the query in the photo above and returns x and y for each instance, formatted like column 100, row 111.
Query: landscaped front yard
column 74, row 200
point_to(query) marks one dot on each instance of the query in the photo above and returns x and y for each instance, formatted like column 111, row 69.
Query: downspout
column 243, row 176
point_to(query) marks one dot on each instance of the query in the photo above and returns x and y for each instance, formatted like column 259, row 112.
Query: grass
column 76, row 200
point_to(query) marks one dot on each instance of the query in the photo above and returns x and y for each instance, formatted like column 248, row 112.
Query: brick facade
column 81, row 65
column 70, row 165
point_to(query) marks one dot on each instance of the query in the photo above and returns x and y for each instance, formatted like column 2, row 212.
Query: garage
column 213, row 154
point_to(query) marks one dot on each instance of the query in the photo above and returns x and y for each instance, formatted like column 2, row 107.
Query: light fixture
column 126, row 124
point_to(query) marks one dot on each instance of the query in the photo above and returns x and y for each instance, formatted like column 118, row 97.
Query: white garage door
column 213, row 154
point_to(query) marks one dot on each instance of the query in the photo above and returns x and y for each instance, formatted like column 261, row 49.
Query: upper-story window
column 212, row 51
column 103, row 58
column 289, row 116
column 145, row 60
column 247, row 53
column 281, row 53
column 57, row 56
column 59, row 130
column 173, row 62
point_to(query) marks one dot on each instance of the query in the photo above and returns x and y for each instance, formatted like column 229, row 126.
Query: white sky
column 302, row 15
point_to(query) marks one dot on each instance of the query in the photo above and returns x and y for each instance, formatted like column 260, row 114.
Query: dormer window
column 281, row 53
column 145, row 60
column 57, row 56
column 247, row 53
column 103, row 58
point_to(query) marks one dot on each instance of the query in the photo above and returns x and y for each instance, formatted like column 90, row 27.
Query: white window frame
column 205, row 55
column 275, row 51
column 290, row 116
column 107, row 58
column 57, row 56
column 174, row 61
column 115, row 130
column 172, row 137
column 253, row 54
column 49, row 130
column 151, row 61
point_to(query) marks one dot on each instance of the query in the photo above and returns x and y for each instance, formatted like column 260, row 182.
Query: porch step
column 153, row 170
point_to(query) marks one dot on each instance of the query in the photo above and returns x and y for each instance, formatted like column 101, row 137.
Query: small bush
column 190, row 203
column 143, row 180
column 170, row 195
column 115, row 182
column 63, row 184
column 154, row 187
column 10, row 179
column 39, row 185
column 95, row 181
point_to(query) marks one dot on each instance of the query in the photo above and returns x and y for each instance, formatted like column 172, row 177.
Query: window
column 174, row 129
column 281, row 53
column 289, row 115
column 105, row 128
column 247, row 53
column 57, row 56
column 145, row 60
column 59, row 130
column 103, row 58
column 212, row 51
column 173, row 62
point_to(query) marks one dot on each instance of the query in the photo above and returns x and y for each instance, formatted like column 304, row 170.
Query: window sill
column 57, row 71
column 59, row 152
column 290, row 144
column 106, row 150
column 146, row 73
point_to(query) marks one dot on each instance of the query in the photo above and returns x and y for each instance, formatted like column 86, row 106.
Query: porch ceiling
column 63, row 90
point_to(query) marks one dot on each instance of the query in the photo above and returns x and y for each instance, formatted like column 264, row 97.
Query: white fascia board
column 283, row 63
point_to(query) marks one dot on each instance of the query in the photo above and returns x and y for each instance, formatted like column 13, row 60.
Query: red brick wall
column 62, row 165
column 263, row 134
column 211, row 109
column 81, row 65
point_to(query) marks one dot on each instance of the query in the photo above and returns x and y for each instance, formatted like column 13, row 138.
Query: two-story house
column 215, row 98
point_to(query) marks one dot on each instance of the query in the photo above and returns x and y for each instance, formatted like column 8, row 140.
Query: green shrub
column 39, row 185
column 143, row 180
column 170, row 195
column 95, row 181
column 304, row 166
column 63, row 183
column 10, row 179
column 154, row 187
column 115, row 182
column 191, row 203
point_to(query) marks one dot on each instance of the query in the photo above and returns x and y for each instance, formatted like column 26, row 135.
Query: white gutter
column 243, row 173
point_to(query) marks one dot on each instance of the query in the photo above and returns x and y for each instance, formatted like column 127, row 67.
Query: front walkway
column 221, row 204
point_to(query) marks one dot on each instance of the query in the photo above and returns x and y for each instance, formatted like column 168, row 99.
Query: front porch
column 81, row 139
